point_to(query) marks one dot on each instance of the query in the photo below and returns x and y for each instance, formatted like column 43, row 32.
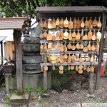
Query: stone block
column 31, row 40
column 31, row 67
column 31, row 59
column 31, row 47
column 32, row 80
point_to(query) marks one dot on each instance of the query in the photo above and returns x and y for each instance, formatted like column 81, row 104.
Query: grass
column 94, row 100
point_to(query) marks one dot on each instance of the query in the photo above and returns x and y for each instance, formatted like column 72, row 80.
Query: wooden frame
column 16, row 24
column 52, row 11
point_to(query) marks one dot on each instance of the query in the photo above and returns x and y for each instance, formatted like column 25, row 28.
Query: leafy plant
column 98, row 100
column 58, row 80
column 7, row 98
column 94, row 100
column 105, row 72
column 28, row 90
column 40, row 90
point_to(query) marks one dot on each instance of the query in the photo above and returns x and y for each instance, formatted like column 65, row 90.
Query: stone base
column 30, row 80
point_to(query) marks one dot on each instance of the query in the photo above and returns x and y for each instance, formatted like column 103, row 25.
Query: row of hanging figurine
column 77, row 68
column 70, row 23
column 70, row 58
column 71, row 35
column 83, row 46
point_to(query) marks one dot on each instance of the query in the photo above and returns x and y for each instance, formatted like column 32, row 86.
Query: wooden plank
column 18, row 53
column 101, row 51
column 9, row 49
column 91, row 83
column 45, row 80
column 12, row 23
column 73, row 63
column 1, row 52
column 7, row 83
column 70, row 9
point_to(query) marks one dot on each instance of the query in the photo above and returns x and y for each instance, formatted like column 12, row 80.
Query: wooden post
column 18, row 57
column 101, row 50
column 7, row 82
column 1, row 52
column 91, row 83
column 45, row 81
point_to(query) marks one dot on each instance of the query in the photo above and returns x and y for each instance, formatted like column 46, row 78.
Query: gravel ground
column 82, row 96
column 2, row 93
column 69, row 97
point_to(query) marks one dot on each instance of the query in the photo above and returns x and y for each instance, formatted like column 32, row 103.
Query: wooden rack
column 75, row 11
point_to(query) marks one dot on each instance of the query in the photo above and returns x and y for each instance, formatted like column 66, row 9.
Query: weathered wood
column 101, row 51
column 1, row 52
column 12, row 23
column 9, row 50
column 67, row 9
column 45, row 80
column 18, row 54
column 7, row 83
column 91, row 83
column 49, row 80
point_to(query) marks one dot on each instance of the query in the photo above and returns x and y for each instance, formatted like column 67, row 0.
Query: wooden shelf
column 74, row 63
column 76, row 29
column 70, row 52
column 46, row 12
column 65, row 41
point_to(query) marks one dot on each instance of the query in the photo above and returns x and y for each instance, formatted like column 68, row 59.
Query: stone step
column 31, row 59
column 31, row 40
column 31, row 67
column 94, row 104
column 31, row 47
column 31, row 53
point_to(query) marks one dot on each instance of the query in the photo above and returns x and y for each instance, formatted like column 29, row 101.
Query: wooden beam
column 91, row 83
column 1, row 52
column 18, row 57
column 101, row 51
column 45, row 80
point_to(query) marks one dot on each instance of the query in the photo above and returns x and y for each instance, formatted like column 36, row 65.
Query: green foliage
column 105, row 72
column 28, row 90
column 98, row 100
column 27, row 7
column 17, row 7
column 56, row 83
column 94, row 100
column 59, row 2
column 40, row 90
column 7, row 98
column 58, row 80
